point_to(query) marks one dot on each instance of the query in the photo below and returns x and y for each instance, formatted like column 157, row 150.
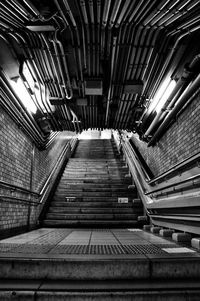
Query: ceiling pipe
column 165, row 9
column 77, row 54
column 70, row 95
column 136, row 10
column 12, row 15
column 145, row 10
column 106, row 12
column 91, row 8
column 20, row 9
column 78, row 40
column 176, row 13
column 115, row 10
column 12, row 23
column 189, row 93
column 55, row 79
column 84, row 12
column 111, row 78
column 33, row 9
column 122, row 13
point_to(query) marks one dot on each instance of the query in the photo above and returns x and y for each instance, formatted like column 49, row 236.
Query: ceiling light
column 24, row 96
column 162, row 94
column 166, row 95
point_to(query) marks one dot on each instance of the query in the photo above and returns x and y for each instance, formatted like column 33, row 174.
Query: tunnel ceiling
column 97, row 63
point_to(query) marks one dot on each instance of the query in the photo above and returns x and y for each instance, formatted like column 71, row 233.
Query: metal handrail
column 173, row 185
column 14, row 187
column 175, row 168
column 11, row 198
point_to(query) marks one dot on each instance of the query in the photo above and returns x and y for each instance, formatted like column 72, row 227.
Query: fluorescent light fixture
column 24, row 96
column 41, row 28
column 162, row 95
column 165, row 95
column 27, row 75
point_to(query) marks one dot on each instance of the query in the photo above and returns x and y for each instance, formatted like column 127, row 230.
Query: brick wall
column 181, row 141
column 15, row 168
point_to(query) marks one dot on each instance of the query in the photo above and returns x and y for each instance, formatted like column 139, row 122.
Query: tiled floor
column 99, row 242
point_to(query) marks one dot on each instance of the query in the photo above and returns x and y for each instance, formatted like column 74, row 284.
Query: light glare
column 24, row 96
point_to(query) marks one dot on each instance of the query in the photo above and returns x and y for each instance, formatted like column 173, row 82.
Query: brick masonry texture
column 15, row 168
column 181, row 141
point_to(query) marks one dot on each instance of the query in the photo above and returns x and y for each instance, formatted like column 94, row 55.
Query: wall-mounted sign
column 122, row 200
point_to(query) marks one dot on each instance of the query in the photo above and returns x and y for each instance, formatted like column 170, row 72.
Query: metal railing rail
column 14, row 187
column 195, row 159
column 174, row 185
column 8, row 199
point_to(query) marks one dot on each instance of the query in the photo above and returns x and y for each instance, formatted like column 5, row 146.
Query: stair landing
column 87, row 264
column 147, row 252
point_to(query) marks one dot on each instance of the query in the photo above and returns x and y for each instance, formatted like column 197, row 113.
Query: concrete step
column 91, row 216
column 96, row 194
column 93, row 204
column 90, row 210
column 67, row 189
column 77, row 185
column 91, row 223
column 95, row 181
column 94, row 290
column 93, row 199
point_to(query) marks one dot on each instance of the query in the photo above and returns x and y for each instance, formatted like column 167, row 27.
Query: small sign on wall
column 122, row 200
column 70, row 198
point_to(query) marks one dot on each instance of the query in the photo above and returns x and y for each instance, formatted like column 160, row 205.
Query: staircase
column 105, row 261
column 94, row 190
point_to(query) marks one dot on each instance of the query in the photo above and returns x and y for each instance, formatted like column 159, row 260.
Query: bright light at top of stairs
column 95, row 134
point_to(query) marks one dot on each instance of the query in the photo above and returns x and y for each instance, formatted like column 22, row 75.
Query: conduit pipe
column 20, row 9
column 33, row 9
column 111, row 78
column 98, row 11
column 122, row 13
column 83, row 14
column 145, row 9
column 114, row 12
column 154, row 12
column 77, row 37
column 106, row 12
column 61, row 84
column 76, row 31
column 12, row 15
column 194, row 87
column 135, row 11
column 68, row 96
column 53, row 66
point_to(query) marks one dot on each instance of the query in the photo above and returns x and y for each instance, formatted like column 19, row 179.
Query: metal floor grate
column 82, row 249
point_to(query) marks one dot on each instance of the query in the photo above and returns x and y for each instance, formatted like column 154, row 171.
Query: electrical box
column 133, row 87
column 93, row 87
